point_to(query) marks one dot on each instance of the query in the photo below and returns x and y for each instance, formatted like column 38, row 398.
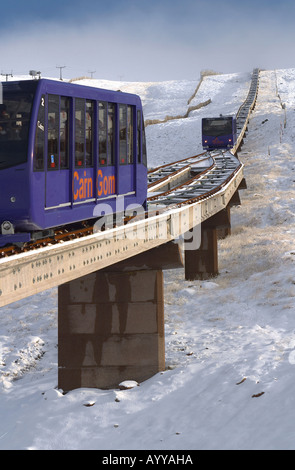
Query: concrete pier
column 111, row 322
column 203, row 262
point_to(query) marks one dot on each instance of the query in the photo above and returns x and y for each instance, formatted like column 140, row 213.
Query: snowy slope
column 230, row 342
column 176, row 139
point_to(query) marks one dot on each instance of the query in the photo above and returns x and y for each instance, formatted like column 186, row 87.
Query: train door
column 83, row 183
column 126, row 183
column 106, row 181
column 57, row 179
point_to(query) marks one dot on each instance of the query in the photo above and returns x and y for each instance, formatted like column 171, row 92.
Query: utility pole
column 60, row 67
column 7, row 75
column 91, row 73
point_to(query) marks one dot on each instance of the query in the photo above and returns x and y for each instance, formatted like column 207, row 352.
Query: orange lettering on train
column 85, row 186
column 99, row 183
column 105, row 184
column 76, row 176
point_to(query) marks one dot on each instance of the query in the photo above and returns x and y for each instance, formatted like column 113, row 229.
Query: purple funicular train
column 64, row 150
column 219, row 132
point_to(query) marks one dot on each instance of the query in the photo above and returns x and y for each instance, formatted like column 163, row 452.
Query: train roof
column 219, row 117
column 45, row 85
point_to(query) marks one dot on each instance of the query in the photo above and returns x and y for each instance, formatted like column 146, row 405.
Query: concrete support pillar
column 111, row 328
column 203, row 263
column 235, row 200
column 111, row 322
column 224, row 229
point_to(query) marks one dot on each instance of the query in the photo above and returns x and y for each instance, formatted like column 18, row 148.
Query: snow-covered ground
column 230, row 342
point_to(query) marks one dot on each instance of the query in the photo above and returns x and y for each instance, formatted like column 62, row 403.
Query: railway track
column 208, row 172
column 169, row 174
column 246, row 107
column 223, row 164
column 183, row 182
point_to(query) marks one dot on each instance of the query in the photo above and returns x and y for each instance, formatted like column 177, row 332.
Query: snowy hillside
column 230, row 342
column 180, row 138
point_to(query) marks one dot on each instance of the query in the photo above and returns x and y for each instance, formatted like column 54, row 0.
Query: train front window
column 15, row 114
column 217, row 127
column 40, row 137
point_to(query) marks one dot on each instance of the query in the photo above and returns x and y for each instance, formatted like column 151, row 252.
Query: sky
column 146, row 40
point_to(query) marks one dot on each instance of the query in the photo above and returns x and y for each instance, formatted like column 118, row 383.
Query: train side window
column 138, row 140
column 111, row 133
column 79, row 132
column 53, row 132
column 40, row 137
column 144, row 152
column 130, row 128
column 64, row 132
column 123, row 133
column 89, row 133
column 102, row 133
